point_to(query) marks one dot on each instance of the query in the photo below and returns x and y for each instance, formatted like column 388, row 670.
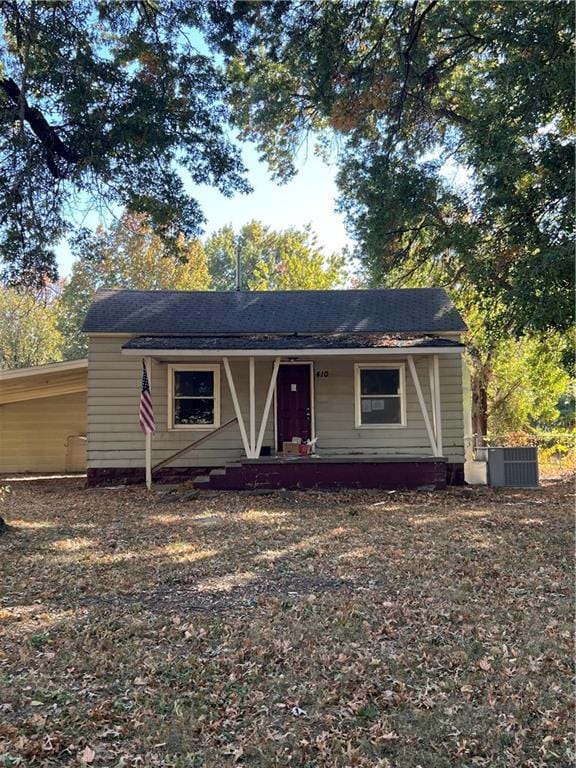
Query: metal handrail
column 182, row 451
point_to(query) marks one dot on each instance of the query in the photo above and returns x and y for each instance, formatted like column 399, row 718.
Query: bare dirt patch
column 305, row 629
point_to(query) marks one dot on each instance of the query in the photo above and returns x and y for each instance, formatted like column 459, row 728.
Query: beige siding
column 43, row 435
column 335, row 424
column 115, row 439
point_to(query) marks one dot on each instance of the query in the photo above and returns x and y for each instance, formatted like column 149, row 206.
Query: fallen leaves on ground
column 319, row 630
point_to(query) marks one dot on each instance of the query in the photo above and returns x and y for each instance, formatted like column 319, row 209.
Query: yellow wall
column 43, row 435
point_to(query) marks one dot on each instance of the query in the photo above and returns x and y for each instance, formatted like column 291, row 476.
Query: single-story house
column 43, row 418
column 371, row 380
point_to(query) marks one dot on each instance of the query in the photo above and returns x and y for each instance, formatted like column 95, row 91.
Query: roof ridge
column 274, row 292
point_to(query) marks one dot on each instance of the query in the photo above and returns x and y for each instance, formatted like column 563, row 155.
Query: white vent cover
column 513, row 467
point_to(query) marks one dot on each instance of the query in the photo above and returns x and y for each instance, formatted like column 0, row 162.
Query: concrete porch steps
column 202, row 481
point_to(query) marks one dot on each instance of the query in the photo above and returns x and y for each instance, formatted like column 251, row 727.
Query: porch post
column 432, row 382
column 422, row 403
column 267, row 404
column 438, row 406
column 148, row 462
column 237, row 410
column 252, row 407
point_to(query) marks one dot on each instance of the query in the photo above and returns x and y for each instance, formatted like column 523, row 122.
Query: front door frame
column 310, row 364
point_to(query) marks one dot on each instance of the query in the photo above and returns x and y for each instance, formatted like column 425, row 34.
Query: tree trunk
column 480, row 378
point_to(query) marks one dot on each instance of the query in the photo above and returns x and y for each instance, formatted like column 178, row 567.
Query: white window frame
column 358, row 367
column 172, row 369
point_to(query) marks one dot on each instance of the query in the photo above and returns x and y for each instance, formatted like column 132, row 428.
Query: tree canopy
column 29, row 333
column 271, row 260
column 452, row 122
column 105, row 105
column 527, row 384
column 416, row 94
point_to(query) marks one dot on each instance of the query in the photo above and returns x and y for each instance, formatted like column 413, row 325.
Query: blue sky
column 308, row 199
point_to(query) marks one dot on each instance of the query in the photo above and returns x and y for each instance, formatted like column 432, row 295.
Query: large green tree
column 455, row 131
column 528, row 382
column 127, row 255
column 104, row 104
column 271, row 260
column 29, row 333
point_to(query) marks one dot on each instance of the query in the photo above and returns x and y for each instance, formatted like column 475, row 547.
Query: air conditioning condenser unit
column 513, row 467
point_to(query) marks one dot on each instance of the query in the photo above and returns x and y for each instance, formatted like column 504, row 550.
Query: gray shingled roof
column 411, row 310
column 267, row 341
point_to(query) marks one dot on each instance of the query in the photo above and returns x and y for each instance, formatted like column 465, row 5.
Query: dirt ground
column 309, row 629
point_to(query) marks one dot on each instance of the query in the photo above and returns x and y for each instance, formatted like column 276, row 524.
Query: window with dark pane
column 380, row 396
column 385, row 410
column 193, row 398
column 380, row 381
column 193, row 384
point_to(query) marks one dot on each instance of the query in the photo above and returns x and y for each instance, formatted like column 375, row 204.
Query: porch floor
column 339, row 458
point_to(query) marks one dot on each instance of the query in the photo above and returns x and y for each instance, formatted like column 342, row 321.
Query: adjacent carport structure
column 43, row 418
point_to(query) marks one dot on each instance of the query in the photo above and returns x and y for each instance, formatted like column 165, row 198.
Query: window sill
column 381, row 426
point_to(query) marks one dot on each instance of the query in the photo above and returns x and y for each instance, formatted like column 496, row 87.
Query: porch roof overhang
column 293, row 345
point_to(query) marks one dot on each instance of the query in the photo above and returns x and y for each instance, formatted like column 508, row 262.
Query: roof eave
column 434, row 334
column 331, row 352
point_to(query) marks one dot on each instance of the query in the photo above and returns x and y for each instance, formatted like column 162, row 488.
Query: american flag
column 147, row 424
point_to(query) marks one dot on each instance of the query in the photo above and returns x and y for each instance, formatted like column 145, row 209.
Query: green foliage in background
column 29, row 333
column 527, row 384
column 271, row 260
column 518, row 382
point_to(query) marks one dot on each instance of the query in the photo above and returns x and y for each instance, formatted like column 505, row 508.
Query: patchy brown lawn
column 295, row 629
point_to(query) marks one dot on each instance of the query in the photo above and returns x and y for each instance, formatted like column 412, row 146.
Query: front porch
column 371, row 408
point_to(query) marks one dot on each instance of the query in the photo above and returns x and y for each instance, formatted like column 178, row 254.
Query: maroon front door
column 293, row 403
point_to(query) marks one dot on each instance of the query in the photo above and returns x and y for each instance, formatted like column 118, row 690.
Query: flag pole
column 149, row 461
column 148, row 433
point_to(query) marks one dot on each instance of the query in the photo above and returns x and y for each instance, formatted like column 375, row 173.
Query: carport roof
column 40, row 381
column 42, row 370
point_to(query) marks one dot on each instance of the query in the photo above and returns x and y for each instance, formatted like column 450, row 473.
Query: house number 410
column 322, row 374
